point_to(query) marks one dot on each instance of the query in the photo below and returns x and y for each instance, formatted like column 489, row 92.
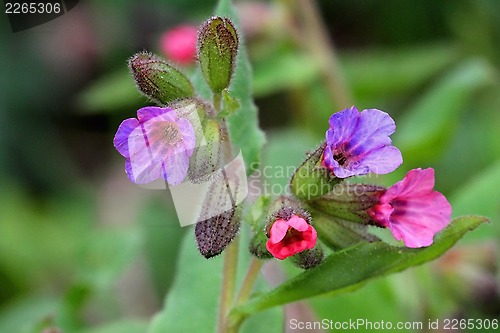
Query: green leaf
column 423, row 130
column 345, row 269
column 243, row 125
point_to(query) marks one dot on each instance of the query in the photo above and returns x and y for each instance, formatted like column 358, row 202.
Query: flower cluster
column 185, row 138
column 358, row 143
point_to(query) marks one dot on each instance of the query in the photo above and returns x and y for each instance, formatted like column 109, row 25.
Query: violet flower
column 358, row 143
column 156, row 145
column 412, row 210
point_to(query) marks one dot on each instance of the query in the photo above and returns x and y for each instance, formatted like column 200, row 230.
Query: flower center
column 171, row 133
column 340, row 158
column 292, row 236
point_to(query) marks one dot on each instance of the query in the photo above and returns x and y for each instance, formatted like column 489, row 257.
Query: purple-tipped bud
column 159, row 80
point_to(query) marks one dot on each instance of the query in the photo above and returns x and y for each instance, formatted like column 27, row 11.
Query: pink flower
column 179, row 44
column 289, row 237
column 412, row 210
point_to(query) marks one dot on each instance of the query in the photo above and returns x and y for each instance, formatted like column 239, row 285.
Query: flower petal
column 416, row 182
column 155, row 113
column 175, row 167
column 343, row 124
column 278, row 231
column 298, row 223
column 372, row 131
column 188, row 135
column 381, row 161
column 121, row 138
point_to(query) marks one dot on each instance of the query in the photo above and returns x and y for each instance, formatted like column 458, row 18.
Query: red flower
column 289, row 237
column 179, row 44
column 412, row 210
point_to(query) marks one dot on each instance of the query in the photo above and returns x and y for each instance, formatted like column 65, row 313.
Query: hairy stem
column 228, row 283
column 249, row 281
column 217, row 102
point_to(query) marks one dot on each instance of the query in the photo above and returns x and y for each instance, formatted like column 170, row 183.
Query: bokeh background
column 84, row 250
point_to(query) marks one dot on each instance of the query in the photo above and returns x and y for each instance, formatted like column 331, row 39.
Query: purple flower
column 358, row 143
column 412, row 210
column 156, row 145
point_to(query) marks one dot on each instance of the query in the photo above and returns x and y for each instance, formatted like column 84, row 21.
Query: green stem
column 233, row 322
column 228, row 283
column 249, row 281
column 217, row 103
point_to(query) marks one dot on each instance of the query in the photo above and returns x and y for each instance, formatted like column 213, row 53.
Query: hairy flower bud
column 348, row 202
column 220, row 215
column 159, row 80
column 311, row 179
column 217, row 49
column 208, row 156
column 257, row 245
column 309, row 258
column 214, row 234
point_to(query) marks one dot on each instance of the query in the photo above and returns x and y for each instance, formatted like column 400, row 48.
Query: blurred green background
column 83, row 249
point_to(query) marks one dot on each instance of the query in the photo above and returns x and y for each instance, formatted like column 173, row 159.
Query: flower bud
column 348, row 202
column 207, row 157
column 311, row 179
column 217, row 49
column 159, row 80
column 219, row 217
column 195, row 110
column 257, row 245
column 309, row 258
column 214, row 234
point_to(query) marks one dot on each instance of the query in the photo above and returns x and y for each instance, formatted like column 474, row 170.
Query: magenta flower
column 156, row 145
column 412, row 210
column 289, row 237
column 179, row 44
column 358, row 143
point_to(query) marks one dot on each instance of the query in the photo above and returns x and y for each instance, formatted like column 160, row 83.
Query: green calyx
column 217, row 50
column 311, row 179
column 159, row 80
